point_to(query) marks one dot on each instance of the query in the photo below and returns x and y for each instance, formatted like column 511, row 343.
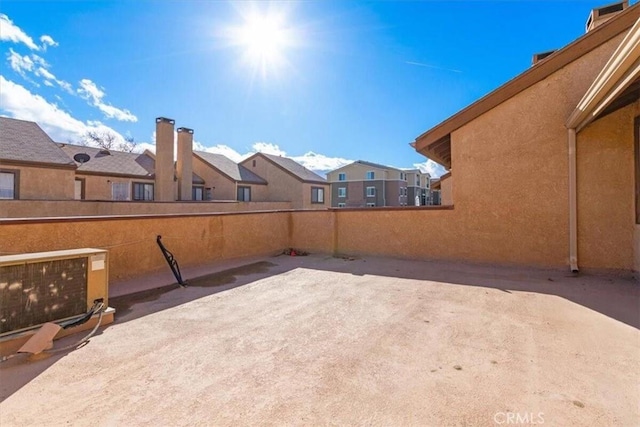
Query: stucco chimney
column 184, row 164
column 600, row 15
column 164, row 191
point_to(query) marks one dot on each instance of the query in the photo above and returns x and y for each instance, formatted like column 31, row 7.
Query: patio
column 323, row 340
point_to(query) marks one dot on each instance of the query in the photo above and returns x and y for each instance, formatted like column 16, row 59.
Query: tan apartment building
column 367, row 184
column 289, row 181
column 227, row 180
column 557, row 148
column 32, row 166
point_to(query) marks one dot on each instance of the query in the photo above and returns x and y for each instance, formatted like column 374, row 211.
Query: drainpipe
column 573, row 201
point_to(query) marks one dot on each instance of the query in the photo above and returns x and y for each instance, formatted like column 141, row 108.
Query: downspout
column 573, row 201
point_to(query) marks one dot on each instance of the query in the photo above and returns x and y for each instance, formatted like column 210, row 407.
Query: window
column 317, row 195
column 341, row 205
column 8, row 185
column 371, row 191
column 142, row 191
column 342, row 177
column 417, row 180
column 208, row 193
column 197, row 193
column 253, row 163
column 371, row 205
column 244, row 194
column 79, row 189
column 342, row 191
column 119, row 191
column 371, row 175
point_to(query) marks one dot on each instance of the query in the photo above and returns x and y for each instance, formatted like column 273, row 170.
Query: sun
column 263, row 39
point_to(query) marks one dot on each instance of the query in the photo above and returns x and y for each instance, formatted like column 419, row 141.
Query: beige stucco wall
column 511, row 167
column 606, row 191
column 51, row 208
column 98, row 187
column 446, row 191
column 358, row 172
column 43, row 183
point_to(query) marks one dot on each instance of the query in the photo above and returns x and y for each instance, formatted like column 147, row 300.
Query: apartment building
column 366, row 184
column 227, row 180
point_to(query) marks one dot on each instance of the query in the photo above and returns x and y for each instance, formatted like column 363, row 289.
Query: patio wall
column 62, row 208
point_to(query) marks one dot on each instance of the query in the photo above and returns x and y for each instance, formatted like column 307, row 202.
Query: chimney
column 537, row 57
column 602, row 14
column 184, row 164
column 164, row 191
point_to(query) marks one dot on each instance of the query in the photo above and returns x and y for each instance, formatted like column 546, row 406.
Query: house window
column 142, row 191
column 197, row 193
column 342, row 177
column 371, row 175
column 8, row 184
column 371, row 191
column 244, row 194
column 342, row 205
column 371, row 205
column 317, row 195
column 342, row 191
column 79, row 189
column 119, row 191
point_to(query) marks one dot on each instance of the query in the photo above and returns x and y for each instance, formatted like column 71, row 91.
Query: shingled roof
column 26, row 143
column 293, row 168
column 116, row 163
column 229, row 168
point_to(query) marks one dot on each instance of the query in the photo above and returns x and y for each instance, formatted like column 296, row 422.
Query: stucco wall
column 98, row 187
column 225, row 188
column 194, row 240
column 53, row 208
column 43, row 183
column 636, row 249
column 282, row 186
column 606, row 191
column 511, row 191
column 446, row 191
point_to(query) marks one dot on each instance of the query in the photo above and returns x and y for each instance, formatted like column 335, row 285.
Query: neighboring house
column 32, row 166
column 547, row 166
column 289, row 181
column 366, row 184
column 115, row 175
column 227, row 180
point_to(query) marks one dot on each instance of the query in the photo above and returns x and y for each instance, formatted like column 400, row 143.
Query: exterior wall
column 282, row 187
column 98, row 187
column 636, row 249
column 222, row 188
column 357, row 172
column 392, row 193
column 446, row 191
column 306, row 196
column 50, row 208
column 606, row 191
column 519, row 149
column 43, row 183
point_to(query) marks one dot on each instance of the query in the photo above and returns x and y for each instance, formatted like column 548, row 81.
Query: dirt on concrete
column 319, row 340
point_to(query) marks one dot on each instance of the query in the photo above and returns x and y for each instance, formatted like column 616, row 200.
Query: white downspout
column 573, row 202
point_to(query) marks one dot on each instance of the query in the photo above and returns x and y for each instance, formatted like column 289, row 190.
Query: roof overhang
column 619, row 79
column 434, row 142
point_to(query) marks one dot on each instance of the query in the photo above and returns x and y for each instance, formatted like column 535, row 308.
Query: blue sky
column 339, row 81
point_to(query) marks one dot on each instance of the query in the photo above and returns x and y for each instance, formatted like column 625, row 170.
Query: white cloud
column 47, row 75
column 225, row 150
column 41, row 71
column 19, row 63
column 48, row 83
column 19, row 102
column 434, row 169
column 12, row 33
column 320, row 162
column 47, row 40
column 92, row 93
column 267, row 148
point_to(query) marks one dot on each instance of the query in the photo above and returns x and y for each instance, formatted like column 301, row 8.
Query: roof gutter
column 573, row 201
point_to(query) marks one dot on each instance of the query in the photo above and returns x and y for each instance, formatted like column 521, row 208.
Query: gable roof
column 370, row 164
column 292, row 167
column 116, row 163
column 25, row 142
column 436, row 142
column 229, row 168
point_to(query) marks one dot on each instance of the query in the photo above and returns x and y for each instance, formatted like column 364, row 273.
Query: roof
column 371, row 164
column 292, row 168
column 116, row 163
column 25, row 142
column 436, row 142
column 228, row 167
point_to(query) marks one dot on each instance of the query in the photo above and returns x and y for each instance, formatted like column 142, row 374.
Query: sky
column 324, row 82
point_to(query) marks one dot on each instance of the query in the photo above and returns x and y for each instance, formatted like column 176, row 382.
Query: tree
column 108, row 140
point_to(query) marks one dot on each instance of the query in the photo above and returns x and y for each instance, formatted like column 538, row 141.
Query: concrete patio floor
column 373, row 341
